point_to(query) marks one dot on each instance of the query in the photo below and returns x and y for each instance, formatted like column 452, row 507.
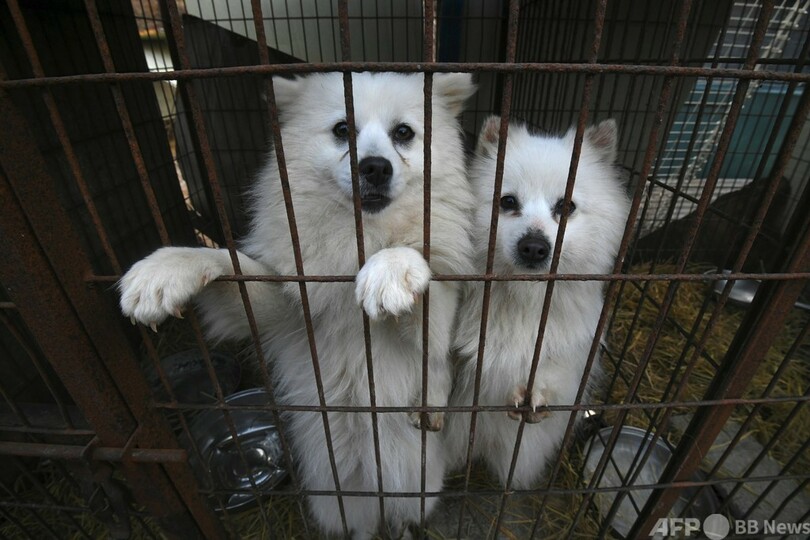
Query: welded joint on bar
column 130, row 444
column 87, row 452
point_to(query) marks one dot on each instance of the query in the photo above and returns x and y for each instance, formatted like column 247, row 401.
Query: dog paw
column 537, row 401
column 164, row 282
column 434, row 420
column 391, row 281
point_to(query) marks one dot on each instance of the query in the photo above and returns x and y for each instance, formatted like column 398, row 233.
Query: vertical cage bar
column 429, row 55
column 275, row 128
column 599, row 21
column 348, row 91
column 506, row 107
column 126, row 120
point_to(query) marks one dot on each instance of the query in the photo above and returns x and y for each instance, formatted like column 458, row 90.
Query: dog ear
column 603, row 138
column 454, row 89
column 488, row 137
column 286, row 91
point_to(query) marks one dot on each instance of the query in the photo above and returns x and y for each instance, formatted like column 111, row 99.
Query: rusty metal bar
column 173, row 22
column 126, row 120
column 102, row 453
column 488, row 408
column 86, row 348
column 551, row 491
column 12, row 405
column 278, row 150
column 673, row 202
column 593, row 56
column 348, row 94
column 503, row 130
column 348, row 91
column 677, row 195
column 676, row 190
column 489, row 277
column 410, row 67
column 428, row 56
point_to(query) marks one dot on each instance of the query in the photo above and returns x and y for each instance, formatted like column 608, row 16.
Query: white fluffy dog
column 389, row 116
column 534, row 181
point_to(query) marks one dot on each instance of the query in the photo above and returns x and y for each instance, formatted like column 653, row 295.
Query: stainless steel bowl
column 630, row 442
column 223, row 467
column 743, row 291
column 188, row 376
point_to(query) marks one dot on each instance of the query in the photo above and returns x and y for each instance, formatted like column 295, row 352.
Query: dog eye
column 403, row 133
column 558, row 208
column 509, row 202
column 341, row 130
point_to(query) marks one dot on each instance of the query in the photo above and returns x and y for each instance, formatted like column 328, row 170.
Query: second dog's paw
column 391, row 281
column 537, row 401
column 434, row 421
column 164, row 282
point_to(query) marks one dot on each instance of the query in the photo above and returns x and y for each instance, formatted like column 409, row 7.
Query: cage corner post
column 43, row 269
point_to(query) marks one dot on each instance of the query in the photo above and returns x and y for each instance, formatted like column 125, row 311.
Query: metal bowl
column 223, row 467
column 630, row 442
column 188, row 376
column 743, row 291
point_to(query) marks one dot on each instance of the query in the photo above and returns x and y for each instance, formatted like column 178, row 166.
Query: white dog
column 534, row 182
column 389, row 116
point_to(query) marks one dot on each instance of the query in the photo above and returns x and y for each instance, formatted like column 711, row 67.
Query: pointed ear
column 603, row 138
column 488, row 137
column 454, row 89
column 286, row 91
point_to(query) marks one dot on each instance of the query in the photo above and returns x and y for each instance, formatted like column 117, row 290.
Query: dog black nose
column 533, row 249
column 376, row 171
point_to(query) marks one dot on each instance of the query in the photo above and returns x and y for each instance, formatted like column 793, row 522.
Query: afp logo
column 715, row 527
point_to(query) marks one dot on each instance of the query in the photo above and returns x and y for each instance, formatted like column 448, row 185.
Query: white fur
column 390, row 282
column 535, row 171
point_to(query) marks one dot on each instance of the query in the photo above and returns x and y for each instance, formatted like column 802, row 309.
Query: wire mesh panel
column 682, row 410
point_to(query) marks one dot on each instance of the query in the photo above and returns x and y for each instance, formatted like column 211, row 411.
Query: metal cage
column 127, row 126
